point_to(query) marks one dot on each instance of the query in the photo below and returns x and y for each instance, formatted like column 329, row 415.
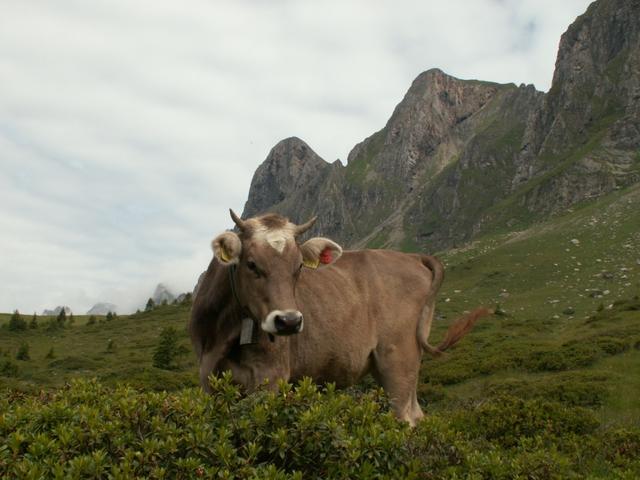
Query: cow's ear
column 319, row 252
column 227, row 247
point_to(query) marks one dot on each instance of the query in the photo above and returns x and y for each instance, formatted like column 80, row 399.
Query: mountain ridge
column 459, row 158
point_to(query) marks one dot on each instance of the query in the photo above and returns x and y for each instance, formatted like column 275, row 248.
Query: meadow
column 548, row 387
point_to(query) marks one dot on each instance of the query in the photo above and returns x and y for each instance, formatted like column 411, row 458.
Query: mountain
column 162, row 294
column 102, row 309
column 461, row 158
column 56, row 311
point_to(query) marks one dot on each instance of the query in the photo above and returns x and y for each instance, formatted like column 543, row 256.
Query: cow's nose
column 288, row 322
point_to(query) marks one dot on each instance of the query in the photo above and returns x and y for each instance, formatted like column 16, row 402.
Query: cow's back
column 366, row 297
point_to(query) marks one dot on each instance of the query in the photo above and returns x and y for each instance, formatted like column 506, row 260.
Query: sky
column 129, row 128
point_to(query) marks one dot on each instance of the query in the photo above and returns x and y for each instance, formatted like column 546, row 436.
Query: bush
column 33, row 324
column 288, row 434
column 87, row 430
column 91, row 320
column 507, row 420
column 573, row 389
column 8, row 369
column 23, row 352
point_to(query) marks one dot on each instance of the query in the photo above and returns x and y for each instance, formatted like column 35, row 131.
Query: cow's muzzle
column 283, row 322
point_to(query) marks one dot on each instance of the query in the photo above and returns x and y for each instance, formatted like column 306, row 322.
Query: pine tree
column 167, row 350
column 150, row 305
column 62, row 317
column 34, row 321
column 109, row 316
column 17, row 323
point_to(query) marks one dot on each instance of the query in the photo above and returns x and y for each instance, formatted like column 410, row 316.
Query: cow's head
column 269, row 262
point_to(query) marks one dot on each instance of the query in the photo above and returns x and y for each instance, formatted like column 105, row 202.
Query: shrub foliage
column 87, row 430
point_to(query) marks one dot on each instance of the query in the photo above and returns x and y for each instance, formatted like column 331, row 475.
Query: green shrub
column 567, row 357
column 91, row 320
column 23, row 352
column 87, row 430
column 585, row 390
column 506, row 420
column 301, row 433
column 33, row 324
column 8, row 369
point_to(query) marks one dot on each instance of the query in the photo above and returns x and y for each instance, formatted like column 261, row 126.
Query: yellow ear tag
column 224, row 256
column 311, row 263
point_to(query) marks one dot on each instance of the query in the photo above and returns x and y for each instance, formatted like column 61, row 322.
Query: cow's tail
column 458, row 329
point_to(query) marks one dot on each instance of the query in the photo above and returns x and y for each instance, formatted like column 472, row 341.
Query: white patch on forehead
column 277, row 238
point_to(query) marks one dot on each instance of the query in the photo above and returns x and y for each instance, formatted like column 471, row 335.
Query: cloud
column 127, row 129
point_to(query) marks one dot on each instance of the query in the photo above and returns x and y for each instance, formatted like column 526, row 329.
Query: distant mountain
column 162, row 294
column 460, row 158
column 56, row 311
column 102, row 309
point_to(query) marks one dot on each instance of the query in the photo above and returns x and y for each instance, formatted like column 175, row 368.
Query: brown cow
column 332, row 315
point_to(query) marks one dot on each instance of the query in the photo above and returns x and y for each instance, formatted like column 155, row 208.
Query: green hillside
column 82, row 350
column 548, row 385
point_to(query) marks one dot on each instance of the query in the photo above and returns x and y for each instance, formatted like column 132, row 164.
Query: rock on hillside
column 462, row 157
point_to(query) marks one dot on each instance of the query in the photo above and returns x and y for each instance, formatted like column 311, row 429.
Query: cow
column 270, row 308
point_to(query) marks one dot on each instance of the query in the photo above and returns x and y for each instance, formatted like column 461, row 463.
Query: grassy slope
column 81, row 350
column 535, row 276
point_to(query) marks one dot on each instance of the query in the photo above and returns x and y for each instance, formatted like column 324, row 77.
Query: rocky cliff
column 462, row 157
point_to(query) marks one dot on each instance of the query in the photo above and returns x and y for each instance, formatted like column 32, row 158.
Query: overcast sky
column 128, row 128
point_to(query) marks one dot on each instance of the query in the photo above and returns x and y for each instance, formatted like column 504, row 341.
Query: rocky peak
column 291, row 166
column 56, row 311
column 597, row 77
column 102, row 308
column 435, row 104
column 162, row 294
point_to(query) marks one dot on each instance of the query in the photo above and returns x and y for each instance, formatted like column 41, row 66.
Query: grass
column 81, row 350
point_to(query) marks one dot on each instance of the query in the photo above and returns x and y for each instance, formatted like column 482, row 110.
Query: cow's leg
column 396, row 369
column 416, row 411
column 208, row 362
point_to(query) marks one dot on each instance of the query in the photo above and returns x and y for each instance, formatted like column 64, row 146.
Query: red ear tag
column 326, row 256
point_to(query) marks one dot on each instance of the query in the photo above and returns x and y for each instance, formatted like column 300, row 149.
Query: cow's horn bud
column 300, row 229
column 237, row 220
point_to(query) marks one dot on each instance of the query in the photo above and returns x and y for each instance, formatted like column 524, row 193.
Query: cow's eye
column 254, row 268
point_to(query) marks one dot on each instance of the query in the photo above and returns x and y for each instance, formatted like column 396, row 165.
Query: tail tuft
column 459, row 329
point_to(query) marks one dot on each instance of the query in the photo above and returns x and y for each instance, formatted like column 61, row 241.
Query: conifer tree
column 150, row 305
column 167, row 350
column 17, row 323
column 62, row 317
